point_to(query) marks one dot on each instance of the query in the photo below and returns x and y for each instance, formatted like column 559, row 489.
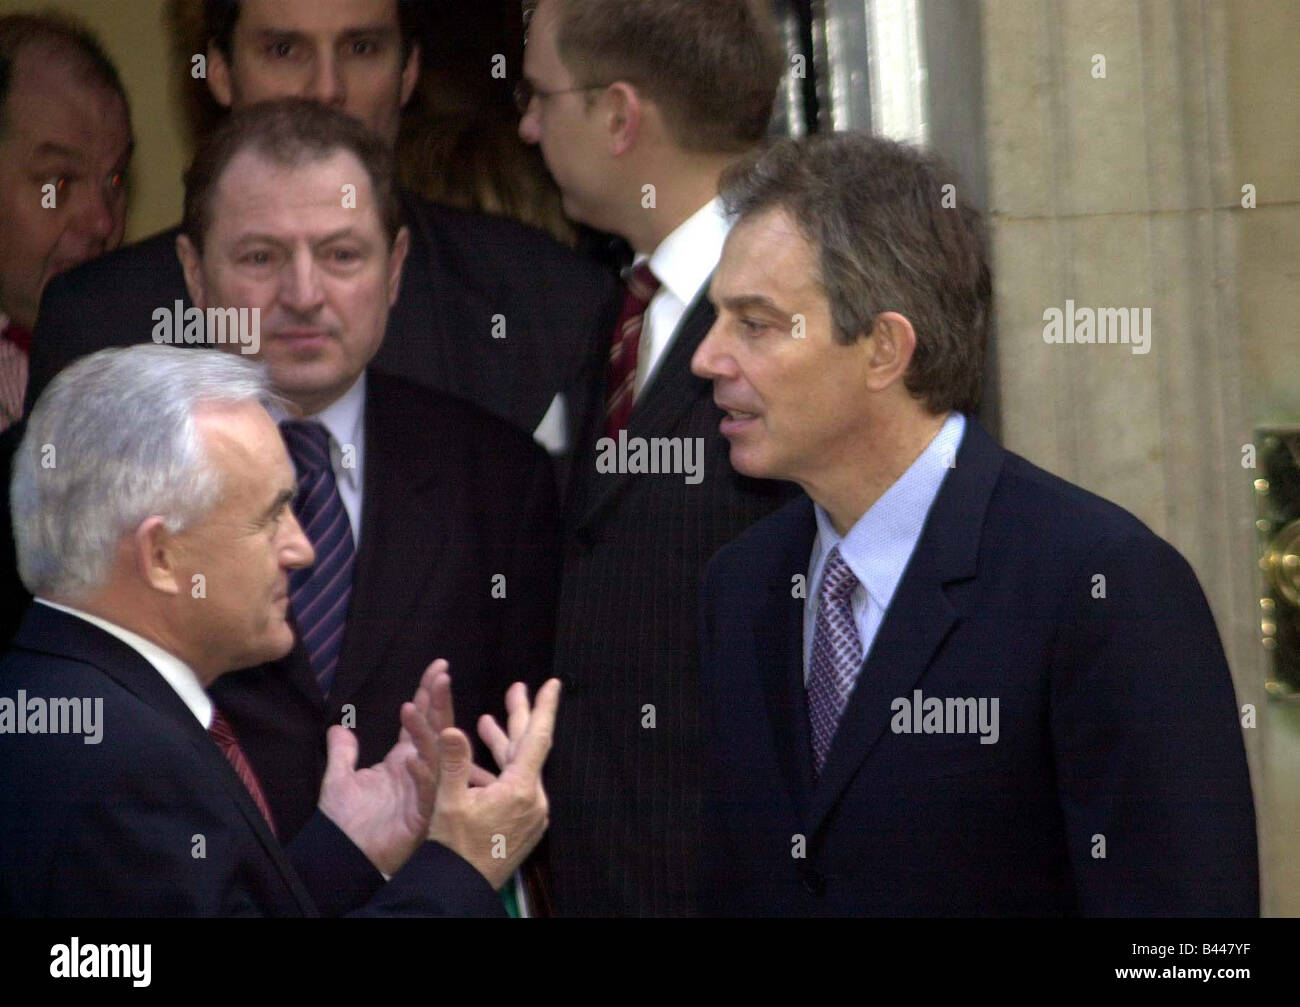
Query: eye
column 364, row 47
column 117, row 180
column 257, row 257
column 282, row 49
column 344, row 256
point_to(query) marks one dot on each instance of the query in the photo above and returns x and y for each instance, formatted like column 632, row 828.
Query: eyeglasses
column 525, row 92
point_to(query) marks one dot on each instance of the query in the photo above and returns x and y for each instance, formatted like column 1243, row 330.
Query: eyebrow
column 385, row 31
column 281, row 498
column 744, row 301
column 51, row 150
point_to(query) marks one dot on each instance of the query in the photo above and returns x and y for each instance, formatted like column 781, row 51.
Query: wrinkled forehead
column 50, row 100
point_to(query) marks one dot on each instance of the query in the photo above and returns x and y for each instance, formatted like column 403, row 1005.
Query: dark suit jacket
column 1118, row 724
column 452, row 498
column 625, row 798
column 463, row 271
column 116, row 828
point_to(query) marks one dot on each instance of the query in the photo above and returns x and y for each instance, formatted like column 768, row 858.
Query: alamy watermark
column 179, row 325
column 652, row 456
column 953, row 715
column 56, row 715
column 1127, row 326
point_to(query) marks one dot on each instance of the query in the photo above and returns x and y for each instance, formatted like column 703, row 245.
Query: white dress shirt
column 345, row 421
column 175, row 672
column 879, row 546
column 682, row 263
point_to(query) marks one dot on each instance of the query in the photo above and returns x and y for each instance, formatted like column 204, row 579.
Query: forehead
column 766, row 250
column 316, row 17
column 255, row 194
column 542, row 60
column 49, row 104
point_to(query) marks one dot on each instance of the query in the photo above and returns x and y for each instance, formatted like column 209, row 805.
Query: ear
column 153, row 549
column 396, row 260
column 888, row 348
column 410, row 74
column 192, row 267
column 220, row 82
column 624, row 118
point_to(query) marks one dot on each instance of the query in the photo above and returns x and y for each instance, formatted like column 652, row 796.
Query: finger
column 536, row 742
column 495, row 739
column 517, row 711
column 454, row 763
column 422, row 736
column 442, row 710
column 341, row 750
column 480, row 777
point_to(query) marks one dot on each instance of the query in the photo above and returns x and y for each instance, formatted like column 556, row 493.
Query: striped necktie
column 224, row 735
column 621, row 384
column 319, row 594
column 836, row 654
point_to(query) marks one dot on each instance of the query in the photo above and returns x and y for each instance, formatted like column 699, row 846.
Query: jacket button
column 813, row 881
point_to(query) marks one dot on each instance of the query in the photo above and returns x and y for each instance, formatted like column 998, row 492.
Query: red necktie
column 224, row 735
column 621, row 386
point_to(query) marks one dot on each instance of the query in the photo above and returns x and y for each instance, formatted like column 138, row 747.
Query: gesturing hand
column 385, row 810
column 496, row 825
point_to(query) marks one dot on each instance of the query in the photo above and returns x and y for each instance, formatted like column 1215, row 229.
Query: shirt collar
column 343, row 420
column 685, row 259
column 179, row 675
column 878, row 547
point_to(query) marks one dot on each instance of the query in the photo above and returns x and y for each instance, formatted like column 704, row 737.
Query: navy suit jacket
column 1118, row 784
column 117, row 828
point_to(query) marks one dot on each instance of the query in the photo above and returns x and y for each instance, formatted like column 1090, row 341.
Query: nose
column 297, row 551
column 300, row 287
column 326, row 84
column 710, row 360
column 97, row 216
column 530, row 127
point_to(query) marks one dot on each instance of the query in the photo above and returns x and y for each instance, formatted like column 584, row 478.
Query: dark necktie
column 836, row 654
column 621, row 384
column 319, row 594
column 224, row 735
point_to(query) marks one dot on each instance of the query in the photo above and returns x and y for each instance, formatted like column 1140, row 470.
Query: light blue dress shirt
column 879, row 546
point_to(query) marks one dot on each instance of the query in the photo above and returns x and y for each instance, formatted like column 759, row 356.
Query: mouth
column 734, row 420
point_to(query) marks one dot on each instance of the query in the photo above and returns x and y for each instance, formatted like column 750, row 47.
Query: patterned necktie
column 319, row 593
column 15, row 344
column 641, row 288
column 836, row 654
column 224, row 735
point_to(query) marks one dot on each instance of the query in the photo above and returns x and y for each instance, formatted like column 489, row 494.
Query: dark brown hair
column 288, row 132
column 713, row 66
column 875, row 212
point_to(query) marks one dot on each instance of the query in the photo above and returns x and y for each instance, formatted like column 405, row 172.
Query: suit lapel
column 919, row 617
column 778, row 641
column 672, row 392
column 82, row 641
column 401, row 519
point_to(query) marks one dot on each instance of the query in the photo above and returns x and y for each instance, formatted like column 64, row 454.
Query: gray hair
column 113, row 441
column 892, row 234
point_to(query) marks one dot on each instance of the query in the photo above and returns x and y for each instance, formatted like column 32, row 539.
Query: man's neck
column 682, row 186
column 851, row 487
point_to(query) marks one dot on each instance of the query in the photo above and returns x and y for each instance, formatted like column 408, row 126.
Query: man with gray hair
column 151, row 505
column 941, row 681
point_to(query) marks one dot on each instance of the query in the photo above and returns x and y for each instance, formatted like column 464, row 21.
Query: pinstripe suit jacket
column 625, row 795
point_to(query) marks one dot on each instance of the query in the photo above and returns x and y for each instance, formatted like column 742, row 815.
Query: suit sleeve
column 342, row 882
column 1151, row 767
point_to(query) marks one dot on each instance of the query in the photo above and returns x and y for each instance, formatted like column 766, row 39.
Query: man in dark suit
column 491, row 311
column 638, row 106
column 152, row 515
column 944, row 681
column 435, row 524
